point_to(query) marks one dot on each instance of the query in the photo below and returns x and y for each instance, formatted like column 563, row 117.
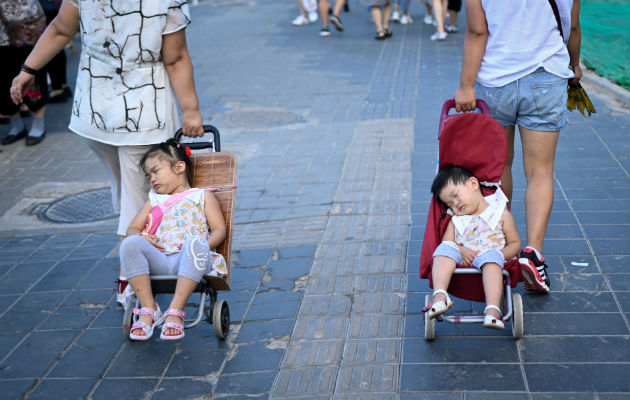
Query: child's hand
column 154, row 240
column 468, row 255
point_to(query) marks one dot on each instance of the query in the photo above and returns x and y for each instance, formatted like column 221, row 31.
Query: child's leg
column 492, row 276
column 135, row 256
column 443, row 268
column 193, row 265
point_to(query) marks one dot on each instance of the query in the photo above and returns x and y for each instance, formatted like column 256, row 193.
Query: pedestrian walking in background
column 308, row 13
column 454, row 7
column 381, row 12
column 401, row 12
column 515, row 59
column 21, row 24
column 124, row 92
column 439, row 13
column 324, row 13
column 428, row 17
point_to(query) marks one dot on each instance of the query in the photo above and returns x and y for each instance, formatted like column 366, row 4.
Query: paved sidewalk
column 336, row 139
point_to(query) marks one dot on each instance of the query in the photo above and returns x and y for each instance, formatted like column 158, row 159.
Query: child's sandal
column 492, row 322
column 158, row 318
column 440, row 307
column 173, row 325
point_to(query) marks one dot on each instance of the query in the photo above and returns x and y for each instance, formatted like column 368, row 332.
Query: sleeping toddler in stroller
column 482, row 234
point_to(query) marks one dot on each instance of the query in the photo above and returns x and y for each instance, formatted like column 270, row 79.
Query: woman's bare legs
column 439, row 12
column 539, row 151
column 377, row 18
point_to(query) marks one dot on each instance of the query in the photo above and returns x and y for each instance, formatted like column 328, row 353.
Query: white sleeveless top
column 523, row 36
column 123, row 94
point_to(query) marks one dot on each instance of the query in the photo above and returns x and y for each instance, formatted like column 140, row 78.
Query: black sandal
column 388, row 33
column 381, row 35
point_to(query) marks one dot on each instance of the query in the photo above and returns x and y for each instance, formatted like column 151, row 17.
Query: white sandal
column 440, row 307
column 490, row 321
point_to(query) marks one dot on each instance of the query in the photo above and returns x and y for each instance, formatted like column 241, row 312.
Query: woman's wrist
column 28, row 69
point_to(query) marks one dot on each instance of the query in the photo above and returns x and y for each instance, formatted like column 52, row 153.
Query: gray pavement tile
column 368, row 378
column 567, row 323
column 280, row 310
column 264, row 330
column 131, row 388
column 569, row 302
column 63, row 389
column 578, row 282
column 566, row 246
column 619, row 282
column 103, row 275
column 288, row 268
column 237, row 311
column 461, row 377
column 89, row 355
column 50, row 254
column 373, row 351
column 65, row 275
column 278, row 296
column 108, row 318
column 563, row 349
column 87, row 252
column 615, row 246
column 180, row 388
column 253, row 258
column 312, row 353
column 497, row 396
column 253, row 357
column 41, row 302
column 36, row 354
column 578, row 396
column 591, row 377
column 246, row 275
column 375, row 326
column 142, row 359
column 297, row 251
column 430, row 396
column 8, row 343
column 200, row 360
column 71, row 319
column 248, row 383
column 21, row 321
column 67, row 241
column 460, row 350
column 15, row 388
column 320, row 305
column 23, row 276
column 306, row 381
column 416, row 284
column 608, row 231
column 25, row 242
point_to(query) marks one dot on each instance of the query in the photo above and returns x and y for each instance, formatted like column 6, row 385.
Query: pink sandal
column 173, row 325
column 158, row 318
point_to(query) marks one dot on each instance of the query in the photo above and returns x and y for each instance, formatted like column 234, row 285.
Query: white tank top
column 523, row 36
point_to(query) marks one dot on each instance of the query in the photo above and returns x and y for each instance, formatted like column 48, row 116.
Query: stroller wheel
column 517, row 317
column 429, row 323
column 128, row 317
column 221, row 319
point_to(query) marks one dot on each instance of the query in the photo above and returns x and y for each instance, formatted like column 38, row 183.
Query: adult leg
column 339, row 7
column 506, row 177
column 387, row 13
column 324, row 7
column 439, row 10
column 539, row 151
column 377, row 18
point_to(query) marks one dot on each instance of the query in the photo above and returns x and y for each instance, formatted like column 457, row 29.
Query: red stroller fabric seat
column 477, row 142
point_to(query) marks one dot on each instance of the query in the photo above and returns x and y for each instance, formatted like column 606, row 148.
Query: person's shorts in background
column 455, row 5
column 537, row 101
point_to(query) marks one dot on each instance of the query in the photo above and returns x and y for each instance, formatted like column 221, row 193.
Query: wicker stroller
column 477, row 142
column 213, row 169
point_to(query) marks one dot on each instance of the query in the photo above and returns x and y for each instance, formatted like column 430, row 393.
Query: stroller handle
column 215, row 144
column 450, row 104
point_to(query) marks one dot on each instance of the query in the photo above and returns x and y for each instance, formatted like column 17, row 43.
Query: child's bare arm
column 512, row 239
column 139, row 222
column 449, row 233
column 215, row 219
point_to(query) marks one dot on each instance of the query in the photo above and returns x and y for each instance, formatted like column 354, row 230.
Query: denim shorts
column 537, row 101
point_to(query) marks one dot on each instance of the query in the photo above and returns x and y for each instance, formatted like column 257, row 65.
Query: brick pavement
column 336, row 142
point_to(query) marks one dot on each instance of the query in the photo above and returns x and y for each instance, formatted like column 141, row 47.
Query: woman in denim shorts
column 517, row 60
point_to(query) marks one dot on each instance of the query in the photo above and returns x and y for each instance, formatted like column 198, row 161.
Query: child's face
column 164, row 177
column 463, row 198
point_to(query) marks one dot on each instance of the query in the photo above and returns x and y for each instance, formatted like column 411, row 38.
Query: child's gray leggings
column 139, row 257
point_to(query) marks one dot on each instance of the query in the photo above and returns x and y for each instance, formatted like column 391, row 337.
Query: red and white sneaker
column 534, row 271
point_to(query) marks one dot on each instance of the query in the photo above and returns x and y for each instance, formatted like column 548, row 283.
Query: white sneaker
column 451, row 29
column 439, row 36
column 428, row 20
column 312, row 16
column 405, row 19
column 299, row 21
column 395, row 16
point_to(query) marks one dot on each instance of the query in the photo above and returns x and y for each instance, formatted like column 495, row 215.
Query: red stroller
column 476, row 142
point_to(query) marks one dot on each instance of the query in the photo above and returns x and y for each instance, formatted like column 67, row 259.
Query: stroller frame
column 214, row 169
column 465, row 282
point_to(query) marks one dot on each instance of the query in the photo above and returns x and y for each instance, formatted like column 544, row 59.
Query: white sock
column 17, row 125
column 37, row 127
column 535, row 252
